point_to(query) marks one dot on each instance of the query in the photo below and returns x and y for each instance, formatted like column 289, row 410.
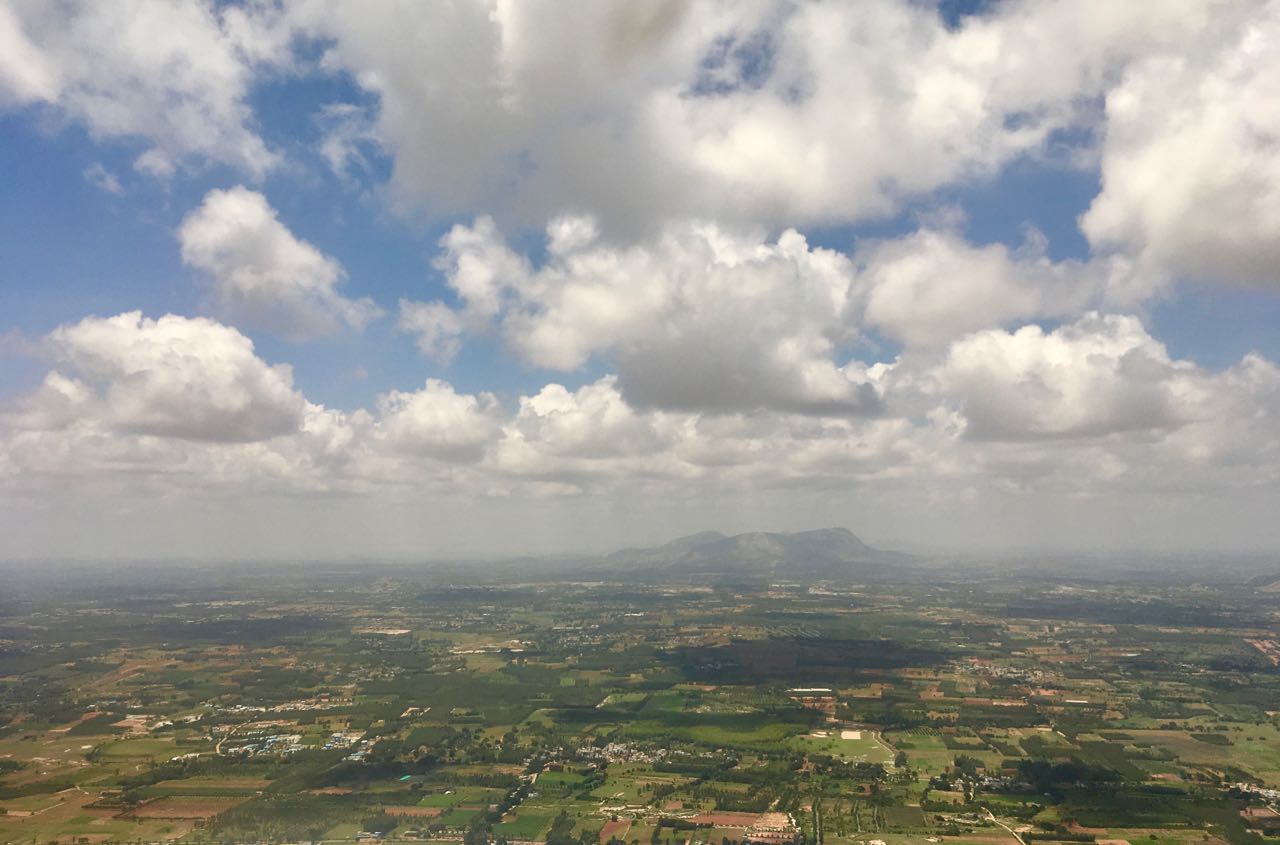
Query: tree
column 381, row 823
column 561, row 832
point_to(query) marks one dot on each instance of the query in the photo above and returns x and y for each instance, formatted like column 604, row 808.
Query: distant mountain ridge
column 1269, row 583
column 821, row 553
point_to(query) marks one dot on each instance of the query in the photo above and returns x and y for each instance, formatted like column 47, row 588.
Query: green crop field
column 853, row 745
column 524, row 826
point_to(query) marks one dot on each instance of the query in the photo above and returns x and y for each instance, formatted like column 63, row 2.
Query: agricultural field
column 400, row 705
column 852, row 744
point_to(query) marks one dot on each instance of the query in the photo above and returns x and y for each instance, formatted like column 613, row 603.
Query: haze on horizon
column 303, row 279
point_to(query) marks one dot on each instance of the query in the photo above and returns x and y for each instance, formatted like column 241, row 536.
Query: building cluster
column 343, row 739
column 620, row 752
column 1009, row 673
column 822, row 699
column 349, row 739
column 773, row 829
column 302, row 704
column 1252, row 791
column 1003, row 783
column 275, row 744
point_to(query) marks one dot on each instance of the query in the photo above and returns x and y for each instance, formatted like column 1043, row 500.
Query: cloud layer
column 717, row 250
column 992, row 403
column 789, row 114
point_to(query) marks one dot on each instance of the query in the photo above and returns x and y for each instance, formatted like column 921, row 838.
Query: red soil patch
column 612, row 829
column 414, row 812
column 220, row 783
column 184, row 808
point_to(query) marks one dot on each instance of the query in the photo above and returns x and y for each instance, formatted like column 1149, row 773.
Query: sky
column 310, row 279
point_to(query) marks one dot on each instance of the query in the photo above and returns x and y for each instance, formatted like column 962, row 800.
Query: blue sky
column 563, row 274
column 74, row 249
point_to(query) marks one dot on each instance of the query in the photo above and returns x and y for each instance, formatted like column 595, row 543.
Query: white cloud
column 174, row 74
column 262, row 274
column 1235, row 440
column 349, row 133
column 679, row 150
column 103, row 179
column 57, row 403
column 25, row 73
column 1091, row 402
column 179, row 377
column 1097, row 376
column 699, row 319
column 438, row 422
column 481, row 268
column 931, row 287
column 703, row 318
column 438, row 328
column 1191, row 161
column 592, row 422
column 1092, row 411
column 763, row 112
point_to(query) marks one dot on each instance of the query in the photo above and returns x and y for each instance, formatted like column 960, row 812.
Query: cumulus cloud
column 140, row 409
column 1097, row 376
column 760, row 111
column 570, row 441
column 1191, row 160
column 704, row 318
column 174, row 75
column 178, row 377
column 593, row 421
column 680, row 152
column 931, row 287
column 57, row 403
column 262, row 274
column 170, row 408
column 438, row 422
column 700, row 318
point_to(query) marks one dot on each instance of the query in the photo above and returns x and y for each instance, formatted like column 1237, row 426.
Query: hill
column 804, row 555
column 1269, row 583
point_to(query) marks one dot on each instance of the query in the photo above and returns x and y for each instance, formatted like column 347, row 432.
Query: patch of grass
column 524, row 826
column 457, row 818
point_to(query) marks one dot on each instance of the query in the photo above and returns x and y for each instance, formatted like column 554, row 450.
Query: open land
column 403, row 704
